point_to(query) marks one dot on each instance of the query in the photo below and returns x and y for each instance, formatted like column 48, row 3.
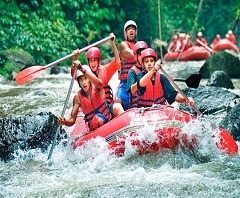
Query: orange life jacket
column 127, row 64
column 107, row 89
column 96, row 105
column 133, row 97
column 153, row 94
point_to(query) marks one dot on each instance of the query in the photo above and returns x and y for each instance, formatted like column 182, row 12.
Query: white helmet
column 199, row 34
column 128, row 23
column 230, row 32
column 181, row 35
column 79, row 73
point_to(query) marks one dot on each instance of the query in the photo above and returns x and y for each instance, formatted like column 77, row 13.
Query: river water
column 92, row 171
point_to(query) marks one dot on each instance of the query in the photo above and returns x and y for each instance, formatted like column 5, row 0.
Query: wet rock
column 27, row 132
column 226, row 61
column 58, row 70
column 232, row 122
column 3, row 79
column 39, row 93
column 220, row 79
column 209, row 100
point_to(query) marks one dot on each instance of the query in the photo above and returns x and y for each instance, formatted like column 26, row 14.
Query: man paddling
column 91, row 100
column 172, row 46
column 231, row 37
column 203, row 40
column 215, row 41
column 127, row 60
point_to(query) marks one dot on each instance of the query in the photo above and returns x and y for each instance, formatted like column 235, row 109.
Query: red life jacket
column 133, row 97
column 107, row 89
column 173, row 46
column 127, row 64
column 91, row 108
column 232, row 38
column 153, row 94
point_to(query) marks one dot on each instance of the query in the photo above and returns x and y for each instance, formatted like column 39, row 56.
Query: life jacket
column 232, row 38
column 183, row 45
column 173, row 46
column 127, row 64
column 153, row 93
column 96, row 105
column 133, row 97
column 107, row 89
column 188, row 45
column 203, row 41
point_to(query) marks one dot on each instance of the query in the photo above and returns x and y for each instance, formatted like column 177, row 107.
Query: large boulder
column 14, row 60
column 227, row 61
column 27, row 132
column 18, row 57
column 209, row 100
column 232, row 122
column 220, row 79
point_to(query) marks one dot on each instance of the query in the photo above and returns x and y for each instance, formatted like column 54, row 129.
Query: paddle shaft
column 180, row 80
column 208, row 48
column 180, row 91
column 62, row 114
column 72, row 54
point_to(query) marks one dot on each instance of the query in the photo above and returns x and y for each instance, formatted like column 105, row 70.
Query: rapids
column 91, row 171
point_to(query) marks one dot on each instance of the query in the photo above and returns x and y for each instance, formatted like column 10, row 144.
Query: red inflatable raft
column 223, row 44
column 191, row 54
column 166, row 123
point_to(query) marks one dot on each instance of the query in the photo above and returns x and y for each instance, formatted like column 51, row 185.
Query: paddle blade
column 193, row 80
column 226, row 143
column 29, row 74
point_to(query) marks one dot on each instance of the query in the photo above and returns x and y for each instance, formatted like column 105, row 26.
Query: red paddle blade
column 29, row 74
column 226, row 143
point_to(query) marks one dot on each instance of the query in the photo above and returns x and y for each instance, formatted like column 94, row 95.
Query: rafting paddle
column 33, row 72
column 208, row 48
column 192, row 81
column 62, row 114
column 180, row 91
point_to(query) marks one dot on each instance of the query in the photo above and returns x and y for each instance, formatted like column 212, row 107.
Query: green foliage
column 49, row 30
column 8, row 68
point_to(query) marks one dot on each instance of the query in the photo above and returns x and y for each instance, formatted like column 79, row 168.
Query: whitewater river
column 92, row 171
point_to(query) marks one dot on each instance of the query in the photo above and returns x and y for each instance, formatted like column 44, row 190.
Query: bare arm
column 170, row 47
column 179, row 98
column 125, row 50
column 73, row 116
column 145, row 79
column 134, row 88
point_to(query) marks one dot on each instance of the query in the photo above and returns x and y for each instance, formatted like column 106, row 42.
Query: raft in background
column 191, row 54
column 166, row 122
column 223, row 44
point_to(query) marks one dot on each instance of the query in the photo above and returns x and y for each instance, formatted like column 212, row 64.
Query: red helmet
column 139, row 45
column 148, row 52
column 175, row 37
column 93, row 52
